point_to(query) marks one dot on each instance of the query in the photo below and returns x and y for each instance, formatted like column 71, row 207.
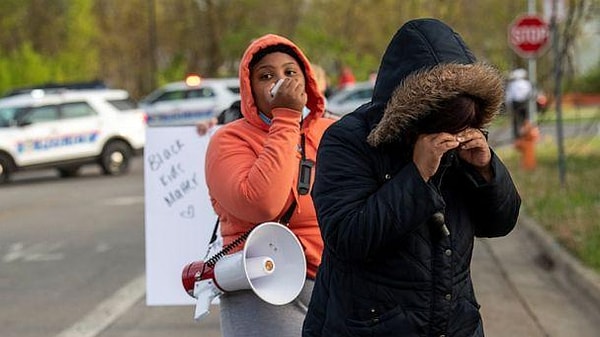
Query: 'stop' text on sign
column 529, row 35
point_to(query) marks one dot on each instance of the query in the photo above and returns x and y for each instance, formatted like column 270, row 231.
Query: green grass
column 569, row 211
column 570, row 114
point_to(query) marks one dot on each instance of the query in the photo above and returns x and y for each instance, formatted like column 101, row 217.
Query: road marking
column 109, row 310
column 102, row 247
column 34, row 253
column 124, row 201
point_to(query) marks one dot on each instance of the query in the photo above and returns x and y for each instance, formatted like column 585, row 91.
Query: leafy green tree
column 124, row 48
column 54, row 42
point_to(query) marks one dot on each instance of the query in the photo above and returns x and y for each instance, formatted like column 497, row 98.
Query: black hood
column 426, row 63
column 418, row 44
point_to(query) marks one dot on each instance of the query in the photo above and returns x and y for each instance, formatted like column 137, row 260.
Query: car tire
column 6, row 168
column 68, row 171
column 115, row 158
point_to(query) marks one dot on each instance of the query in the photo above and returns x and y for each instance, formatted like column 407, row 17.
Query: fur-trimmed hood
column 426, row 64
column 422, row 92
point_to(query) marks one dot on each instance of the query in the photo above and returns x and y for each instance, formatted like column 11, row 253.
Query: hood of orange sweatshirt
column 316, row 100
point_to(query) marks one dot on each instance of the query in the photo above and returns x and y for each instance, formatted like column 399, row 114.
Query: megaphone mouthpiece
column 259, row 267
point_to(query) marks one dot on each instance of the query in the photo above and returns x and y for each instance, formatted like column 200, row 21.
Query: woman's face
column 267, row 71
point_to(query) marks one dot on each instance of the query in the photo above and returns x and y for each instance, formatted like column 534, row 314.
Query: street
column 66, row 245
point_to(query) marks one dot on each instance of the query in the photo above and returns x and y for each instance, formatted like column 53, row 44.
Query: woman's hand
column 474, row 149
column 202, row 127
column 429, row 150
column 291, row 95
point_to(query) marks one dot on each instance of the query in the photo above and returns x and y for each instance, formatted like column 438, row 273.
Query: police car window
column 123, row 104
column 76, row 110
column 235, row 90
column 42, row 114
column 201, row 93
column 170, row 96
column 7, row 115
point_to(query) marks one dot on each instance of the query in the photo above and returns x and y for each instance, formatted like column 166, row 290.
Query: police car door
column 199, row 104
column 79, row 131
column 38, row 139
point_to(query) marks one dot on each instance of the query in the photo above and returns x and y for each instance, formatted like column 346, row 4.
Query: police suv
column 187, row 102
column 70, row 128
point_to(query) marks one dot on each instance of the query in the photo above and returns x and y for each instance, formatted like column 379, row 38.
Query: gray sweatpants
column 243, row 314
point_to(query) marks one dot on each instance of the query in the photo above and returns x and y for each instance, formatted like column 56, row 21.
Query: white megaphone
column 272, row 264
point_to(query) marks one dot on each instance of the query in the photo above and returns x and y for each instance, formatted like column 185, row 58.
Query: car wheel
column 6, row 168
column 68, row 171
column 115, row 157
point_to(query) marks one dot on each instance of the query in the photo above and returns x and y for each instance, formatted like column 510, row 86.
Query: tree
column 50, row 42
column 139, row 44
column 123, row 48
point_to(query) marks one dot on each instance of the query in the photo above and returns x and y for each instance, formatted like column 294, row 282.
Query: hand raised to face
column 429, row 149
column 474, row 149
column 291, row 94
column 471, row 144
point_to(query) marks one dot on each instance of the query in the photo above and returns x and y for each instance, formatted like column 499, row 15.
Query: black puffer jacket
column 387, row 269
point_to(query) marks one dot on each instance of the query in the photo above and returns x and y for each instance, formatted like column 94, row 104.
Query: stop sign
column 528, row 35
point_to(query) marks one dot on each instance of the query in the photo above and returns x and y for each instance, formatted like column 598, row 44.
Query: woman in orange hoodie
column 252, row 173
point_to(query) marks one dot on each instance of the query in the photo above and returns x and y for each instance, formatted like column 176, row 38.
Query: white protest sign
column 179, row 218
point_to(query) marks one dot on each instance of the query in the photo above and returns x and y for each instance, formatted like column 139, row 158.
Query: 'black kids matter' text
column 171, row 173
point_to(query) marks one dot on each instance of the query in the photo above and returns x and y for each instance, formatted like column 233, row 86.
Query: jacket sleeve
column 360, row 213
column 252, row 178
column 495, row 204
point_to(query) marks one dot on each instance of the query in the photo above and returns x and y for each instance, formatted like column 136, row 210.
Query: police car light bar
column 193, row 80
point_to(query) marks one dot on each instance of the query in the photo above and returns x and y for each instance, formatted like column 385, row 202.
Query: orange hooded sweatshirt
column 252, row 168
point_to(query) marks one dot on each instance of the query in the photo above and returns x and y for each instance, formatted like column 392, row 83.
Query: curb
column 568, row 271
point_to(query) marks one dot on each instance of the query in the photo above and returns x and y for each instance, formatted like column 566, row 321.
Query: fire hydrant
column 528, row 136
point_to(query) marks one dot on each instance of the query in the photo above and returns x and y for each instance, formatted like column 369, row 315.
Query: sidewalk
column 526, row 284
column 529, row 286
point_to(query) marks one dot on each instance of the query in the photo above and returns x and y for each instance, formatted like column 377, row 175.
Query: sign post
column 528, row 36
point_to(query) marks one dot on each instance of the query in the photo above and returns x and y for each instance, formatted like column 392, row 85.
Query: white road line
column 124, row 201
column 109, row 310
column 33, row 253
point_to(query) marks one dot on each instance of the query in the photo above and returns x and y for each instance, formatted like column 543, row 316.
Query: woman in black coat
column 403, row 186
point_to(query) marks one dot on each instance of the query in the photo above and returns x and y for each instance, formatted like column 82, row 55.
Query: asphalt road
column 66, row 245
